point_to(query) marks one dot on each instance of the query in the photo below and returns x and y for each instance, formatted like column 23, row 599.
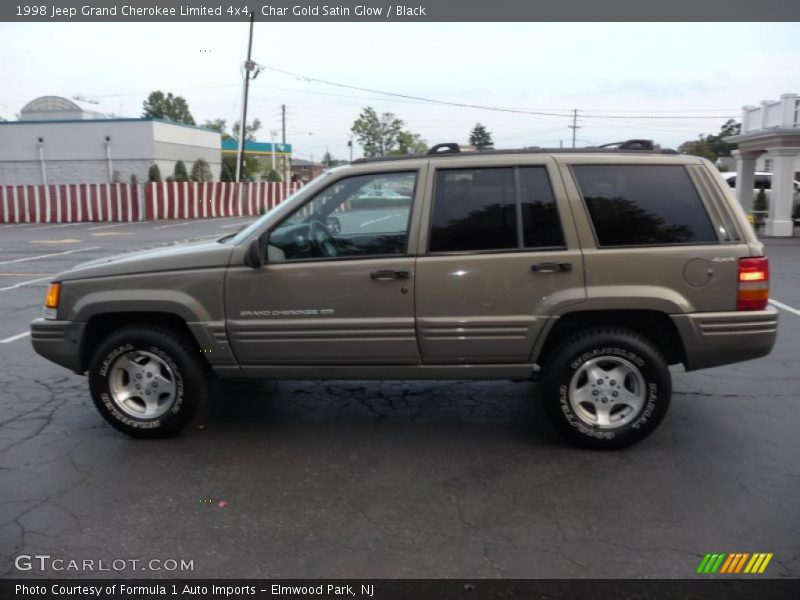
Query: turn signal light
column 753, row 293
column 53, row 295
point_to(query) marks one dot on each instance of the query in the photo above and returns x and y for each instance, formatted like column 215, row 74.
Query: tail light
column 753, row 292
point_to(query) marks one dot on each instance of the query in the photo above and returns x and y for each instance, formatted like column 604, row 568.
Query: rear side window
column 644, row 204
column 500, row 208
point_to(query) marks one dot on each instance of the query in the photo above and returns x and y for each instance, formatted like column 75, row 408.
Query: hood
column 193, row 255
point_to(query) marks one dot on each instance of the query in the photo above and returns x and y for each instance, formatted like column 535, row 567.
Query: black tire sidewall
column 628, row 346
column 190, row 381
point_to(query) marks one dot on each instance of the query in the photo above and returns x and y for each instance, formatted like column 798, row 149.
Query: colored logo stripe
column 735, row 562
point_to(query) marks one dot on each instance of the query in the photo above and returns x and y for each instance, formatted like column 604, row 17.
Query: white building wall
column 76, row 151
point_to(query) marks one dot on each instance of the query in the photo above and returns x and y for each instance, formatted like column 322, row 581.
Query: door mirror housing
column 256, row 252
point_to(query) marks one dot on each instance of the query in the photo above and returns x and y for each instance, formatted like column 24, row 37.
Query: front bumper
column 721, row 338
column 59, row 342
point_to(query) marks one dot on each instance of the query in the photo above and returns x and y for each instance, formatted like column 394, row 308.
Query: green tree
column 410, row 143
column 250, row 130
column 201, row 171
column 480, row 137
column 154, row 173
column 219, row 125
column 251, row 166
column 273, row 175
column 712, row 146
column 760, row 207
column 173, row 108
column 377, row 134
column 225, row 173
column 180, row 173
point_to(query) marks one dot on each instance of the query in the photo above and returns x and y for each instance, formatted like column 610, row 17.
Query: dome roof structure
column 48, row 108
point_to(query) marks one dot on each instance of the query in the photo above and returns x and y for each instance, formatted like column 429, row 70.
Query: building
column 305, row 170
column 771, row 132
column 58, row 140
column 269, row 155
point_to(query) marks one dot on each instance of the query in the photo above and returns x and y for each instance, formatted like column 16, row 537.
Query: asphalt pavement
column 383, row 479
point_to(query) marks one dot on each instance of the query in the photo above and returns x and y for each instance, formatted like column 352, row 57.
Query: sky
column 639, row 71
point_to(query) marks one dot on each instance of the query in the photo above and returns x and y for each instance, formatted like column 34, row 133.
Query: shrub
column 154, row 174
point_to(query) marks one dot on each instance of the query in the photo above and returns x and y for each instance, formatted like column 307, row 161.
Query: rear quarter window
column 633, row 205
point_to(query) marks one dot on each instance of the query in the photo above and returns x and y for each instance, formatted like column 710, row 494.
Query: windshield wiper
column 225, row 238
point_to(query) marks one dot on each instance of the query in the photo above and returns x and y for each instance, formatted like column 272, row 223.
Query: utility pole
column 249, row 66
column 574, row 125
column 283, row 141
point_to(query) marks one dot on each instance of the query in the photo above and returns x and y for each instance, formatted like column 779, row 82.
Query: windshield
column 244, row 233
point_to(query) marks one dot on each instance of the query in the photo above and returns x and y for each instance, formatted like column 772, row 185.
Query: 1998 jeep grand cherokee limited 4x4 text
column 590, row 270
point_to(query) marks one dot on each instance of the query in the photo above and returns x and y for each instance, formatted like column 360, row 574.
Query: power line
column 477, row 106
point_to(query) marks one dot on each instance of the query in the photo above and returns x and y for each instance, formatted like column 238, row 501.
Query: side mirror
column 254, row 258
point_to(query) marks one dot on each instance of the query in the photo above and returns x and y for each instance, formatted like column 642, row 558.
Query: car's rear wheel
column 606, row 388
column 147, row 381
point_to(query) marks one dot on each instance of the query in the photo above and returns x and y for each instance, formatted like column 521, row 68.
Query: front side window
column 643, row 205
column 365, row 215
column 480, row 210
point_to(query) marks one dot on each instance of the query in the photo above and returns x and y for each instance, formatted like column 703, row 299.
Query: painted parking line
column 53, row 226
column 193, row 221
column 18, row 260
column 785, row 307
column 24, row 283
column 14, row 338
column 240, row 224
column 110, row 226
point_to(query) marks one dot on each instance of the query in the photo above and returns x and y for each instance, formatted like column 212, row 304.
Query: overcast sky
column 630, row 69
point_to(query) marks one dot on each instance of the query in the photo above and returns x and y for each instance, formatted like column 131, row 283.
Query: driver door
column 338, row 284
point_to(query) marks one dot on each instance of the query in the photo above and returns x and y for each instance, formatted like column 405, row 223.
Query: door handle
column 551, row 267
column 389, row 274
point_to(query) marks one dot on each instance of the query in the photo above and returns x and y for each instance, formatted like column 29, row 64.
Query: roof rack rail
column 449, row 148
column 452, row 149
column 631, row 145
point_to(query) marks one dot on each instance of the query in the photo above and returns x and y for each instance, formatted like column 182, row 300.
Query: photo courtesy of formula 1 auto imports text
column 445, row 299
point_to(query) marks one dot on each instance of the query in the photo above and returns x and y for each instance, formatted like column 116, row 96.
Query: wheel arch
column 101, row 325
column 656, row 326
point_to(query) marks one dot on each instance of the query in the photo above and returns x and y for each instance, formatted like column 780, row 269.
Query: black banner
column 383, row 589
column 399, row 10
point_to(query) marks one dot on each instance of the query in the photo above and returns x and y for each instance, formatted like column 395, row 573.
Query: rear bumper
column 721, row 338
column 58, row 341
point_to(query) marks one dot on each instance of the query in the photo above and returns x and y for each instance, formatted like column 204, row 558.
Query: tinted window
column 643, row 204
column 474, row 209
column 540, row 224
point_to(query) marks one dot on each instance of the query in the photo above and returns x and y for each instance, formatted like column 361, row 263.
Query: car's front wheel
column 147, row 381
column 606, row 388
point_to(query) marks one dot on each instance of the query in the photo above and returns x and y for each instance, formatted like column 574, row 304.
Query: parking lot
column 385, row 479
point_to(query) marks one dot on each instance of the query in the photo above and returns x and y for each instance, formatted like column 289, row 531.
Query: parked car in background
column 763, row 181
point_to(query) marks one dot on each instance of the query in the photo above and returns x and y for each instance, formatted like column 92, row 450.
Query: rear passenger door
column 497, row 256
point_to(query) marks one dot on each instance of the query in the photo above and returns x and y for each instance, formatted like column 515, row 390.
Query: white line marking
column 8, row 262
column 52, row 226
column 373, row 221
column 233, row 225
column 14, row 338
column 193, row 221
column 108, row 226
column 785, row 307
column 23, row 283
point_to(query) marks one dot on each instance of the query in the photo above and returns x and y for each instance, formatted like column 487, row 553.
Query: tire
column 148, row 381
column 583, row 398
